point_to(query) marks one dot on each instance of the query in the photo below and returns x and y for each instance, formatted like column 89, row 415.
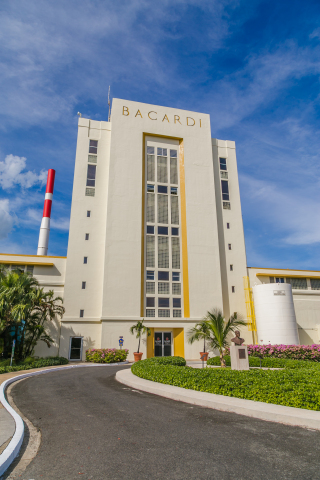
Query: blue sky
column 253, row 66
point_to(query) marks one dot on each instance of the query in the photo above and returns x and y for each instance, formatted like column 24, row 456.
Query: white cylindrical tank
column 275, row 315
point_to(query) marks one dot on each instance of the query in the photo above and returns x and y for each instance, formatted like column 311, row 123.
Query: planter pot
column 137, row 356
column 205, row 356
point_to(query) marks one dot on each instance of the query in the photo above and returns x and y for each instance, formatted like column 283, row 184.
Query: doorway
column 75, row 348
column 162, row 344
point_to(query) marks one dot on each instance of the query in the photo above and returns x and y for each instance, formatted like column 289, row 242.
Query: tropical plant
column 199, row 332
column 219, row 329
column 24, row 310
column 139, row 328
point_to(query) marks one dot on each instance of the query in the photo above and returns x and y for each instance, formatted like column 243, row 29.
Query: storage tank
column 275, row 315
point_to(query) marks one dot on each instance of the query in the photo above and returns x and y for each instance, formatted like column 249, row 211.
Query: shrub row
column 293, row 352
column 44, row 362
column 292, row 387
column 266, row 362
column 106, row 355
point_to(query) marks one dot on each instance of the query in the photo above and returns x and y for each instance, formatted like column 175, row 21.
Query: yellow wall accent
column 142, row 224
column 178, row 342
column 150, row 344
column 185, row 271
column 38, row 264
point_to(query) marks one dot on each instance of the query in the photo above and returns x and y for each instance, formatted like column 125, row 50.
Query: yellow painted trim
column 150, row 344
column 143, row 222
column 184, row 245
column 281, row 275
column 284, row 269
column 13, row 262
column 20, row 255
column 178, row 342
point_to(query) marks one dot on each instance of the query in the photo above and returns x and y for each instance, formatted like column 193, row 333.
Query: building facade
column 155, row 232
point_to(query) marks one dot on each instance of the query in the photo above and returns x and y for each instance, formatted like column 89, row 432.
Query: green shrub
column 292, row 386
column 177, row 361
column 266, row 362
column 106, row 355
column 43, row 362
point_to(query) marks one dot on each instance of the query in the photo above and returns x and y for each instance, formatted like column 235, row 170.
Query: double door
column 162, row 344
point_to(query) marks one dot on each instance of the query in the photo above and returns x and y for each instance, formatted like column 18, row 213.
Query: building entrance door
column 162, row 344
column 75, row 348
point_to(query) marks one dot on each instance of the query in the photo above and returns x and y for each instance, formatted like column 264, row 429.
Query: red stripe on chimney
column 47, row 208
column 50, row 180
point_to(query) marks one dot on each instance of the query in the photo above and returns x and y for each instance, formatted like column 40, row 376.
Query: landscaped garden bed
column 292, row 352
column 42, row 362
column 297, row 384
column 106, row 355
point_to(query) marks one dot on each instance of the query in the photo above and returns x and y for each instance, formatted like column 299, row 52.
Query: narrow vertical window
column 150, row 164
column 91, row 176
column 150, row 260
column 93, row 146
column 85, row 259
column 83, row 285
column 228, row 225
column 231, row 268
column 150, row 207
column 233, row 289
column 87, row 236
column 225, row 190
column 81, row 313
column 88, row 213
column 223, row 163
column 229, row 246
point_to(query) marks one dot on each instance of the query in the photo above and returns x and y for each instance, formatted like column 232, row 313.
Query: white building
column 156, row 232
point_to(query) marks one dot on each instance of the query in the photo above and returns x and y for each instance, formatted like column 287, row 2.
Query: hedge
column 106, row 355
column 292, row 387
column 266, row 362
column 44, row 362
column 293, row 352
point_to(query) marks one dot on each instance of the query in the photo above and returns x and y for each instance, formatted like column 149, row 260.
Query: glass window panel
column 93, row 143
column 158, row 344
column 167, row 344
column 174, row 210
column 163, row 252
column 150, row 261
column 176, row 313
column 174, row 231
column 174, row 171
column 176, row 302
column 93, row 150
column 150, row 188
column 162, row 189
column 163, row 302
column 163, row 209
column 176, row 289
column 315, row 283
column 162, row 230
column 225, row 189
column 150, row 150
column 150, row 301
column 164, row 288
column 173, row 153
column 162, row 170
column 176, row 276
column 150, row 168
column 91, row 175
column 164, row 276
column 163, row 312
column 223, row 163
column 151, row 208
column 174, row 190
column 175, row 241
column 150, row 275
column 150, row 287
column 150, row 313
column 150, row 229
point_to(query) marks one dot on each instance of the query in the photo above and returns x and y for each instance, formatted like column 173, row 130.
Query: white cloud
column 6, row 219
column 11, row 173
column 33, row 217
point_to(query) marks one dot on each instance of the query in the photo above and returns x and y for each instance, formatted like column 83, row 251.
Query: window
column 176, row 302
column 162, row 230
column 279, row 280
column 30, row 269
column 163, row 302
column 229, row 246
column 231, row 268
column 164, row 276
column 176, row 289
column 87, row 236
column 150, row 313
column 150, row 287
column 163, row 312
column 164, row 288
column 298, row 283
column 92, row 158
column 150, row 260
column 91, row 176
column 177, row 313
column 174, row 231
column 163, row 252
column 226, row 205
column 88, row 213
column 19, row 268
column 162, row 152
column 176, row 276
column 223, row 163
column 150, row 188
column 174, row 191
column 233, row 289
column 150, row 150
column 315, row 283
column 271, row 279
column 93, row 146
column 150, row 229
column 81, row 313
column 162, row 189
column 173, row 153
column 225, row 189
column 228, row 225
column 85, row 259
column 150, row 301
column 163, row 209
column 83, row 285
column 150, row 275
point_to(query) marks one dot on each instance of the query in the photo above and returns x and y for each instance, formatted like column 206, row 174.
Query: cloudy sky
column 253, row 66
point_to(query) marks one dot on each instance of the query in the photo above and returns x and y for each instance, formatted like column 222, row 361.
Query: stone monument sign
column 239, row 353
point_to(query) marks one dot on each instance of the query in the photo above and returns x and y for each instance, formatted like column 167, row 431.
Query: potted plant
column 200, row 332
column 139, row 328
column 218, row 330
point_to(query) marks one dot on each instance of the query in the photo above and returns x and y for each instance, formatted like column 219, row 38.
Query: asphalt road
column 95, row 428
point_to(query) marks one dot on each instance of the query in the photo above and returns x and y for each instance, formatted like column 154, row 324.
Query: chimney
column 45, row 222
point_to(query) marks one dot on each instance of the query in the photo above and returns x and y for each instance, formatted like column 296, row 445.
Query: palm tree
column 140, row 329
column 199, row 332
column 219, row 330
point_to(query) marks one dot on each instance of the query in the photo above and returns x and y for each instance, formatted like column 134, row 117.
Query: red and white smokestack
column 45, row 222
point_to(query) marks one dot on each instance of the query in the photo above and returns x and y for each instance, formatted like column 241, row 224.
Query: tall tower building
column 155, row 232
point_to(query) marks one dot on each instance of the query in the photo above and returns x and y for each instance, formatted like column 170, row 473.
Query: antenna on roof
column 109, row 115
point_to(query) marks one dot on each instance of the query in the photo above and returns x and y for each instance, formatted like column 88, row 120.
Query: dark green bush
column 267, row 362
column 43, row 362
column 292, row 386
column 177, row 361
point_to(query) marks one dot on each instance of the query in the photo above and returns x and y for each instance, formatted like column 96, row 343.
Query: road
column 95, row 428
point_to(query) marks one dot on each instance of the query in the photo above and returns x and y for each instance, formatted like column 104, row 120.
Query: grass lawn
column 296, row 385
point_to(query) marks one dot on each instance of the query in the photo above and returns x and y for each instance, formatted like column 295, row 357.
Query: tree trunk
column 222, row 360
column 139, row 345
column 204, row 345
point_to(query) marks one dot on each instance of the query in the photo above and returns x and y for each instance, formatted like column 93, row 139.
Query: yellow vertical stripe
column 143, row 223
column 185, row 271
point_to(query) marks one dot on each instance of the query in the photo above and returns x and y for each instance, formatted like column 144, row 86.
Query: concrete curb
column 12, row 450
column 298, row 417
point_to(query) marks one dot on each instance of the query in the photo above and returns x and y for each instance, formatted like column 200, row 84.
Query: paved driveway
column 95, row 428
